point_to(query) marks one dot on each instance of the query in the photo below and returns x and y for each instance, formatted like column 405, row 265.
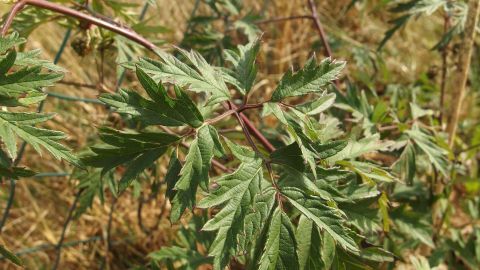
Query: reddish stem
column 247, row 133
column 126, row 32
column 255, row 132
column 249, row 106
column 15, row 9
column 321, row 33
column 319, row 27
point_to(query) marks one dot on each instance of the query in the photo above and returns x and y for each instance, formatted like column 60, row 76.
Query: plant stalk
column 465, row 55
column 319, row 27
column 121, row 30
column 443, row 82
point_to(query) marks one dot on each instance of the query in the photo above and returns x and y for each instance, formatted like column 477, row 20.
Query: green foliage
column 256, row 212
column 245, row 70
column 21, row 84
column 415, row 8
column 325, row 217
column 161, row 109
column 186, row 253
column 22, row 125
column 204, row 78
column 310, row 79
column 194, row 172
column 280, row 244
column 139, row 150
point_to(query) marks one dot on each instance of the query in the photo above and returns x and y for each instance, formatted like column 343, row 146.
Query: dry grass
column 41, row 204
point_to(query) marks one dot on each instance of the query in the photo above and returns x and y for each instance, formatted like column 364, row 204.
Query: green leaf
column 355, row 149
column 25, row 81
column 427, row 144
column 162, row 109
column 362, row 214
column 138, row 150
column 329, row 149
column 334, row 174
column 411, row 9
column 309, row 249
column 22, row 125
column 248, row 27
column 245, row 69
column 280, row 246
column 376, row 254
column 312, row 150
column 369, row 172
column 9, row 255
column 204, row 78
column 305, row 144
column 291, row 177
column 218, row 149
column 290, row 155
column 398, row 23
column 318, row 105
column 274, row 108
column 307, row 80
column 138, row 165
column 91, row 183
column 181, row 109
column 236, row 193
column 257, row 217
column 7, row 62
column 326, row 218
column 31, row 58
column 194, row 172
column 131, row 103
column 328, row 250
column 15, row 172
column 173, row 174
column 23, row 100
column 133, row 142
column 10, row 41
column 356, row 192
column 413, row 225
column 126, row 51
column 383, row 205
column 406, row 164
